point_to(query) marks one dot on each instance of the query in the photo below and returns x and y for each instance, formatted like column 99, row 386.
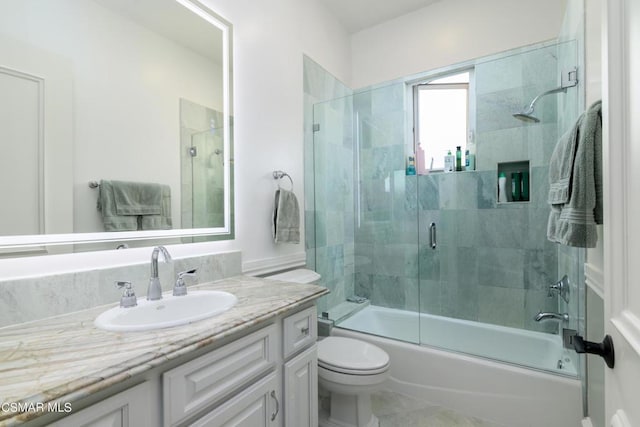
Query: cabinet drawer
column 257, row 406
column 299, row 331
column 192, row 387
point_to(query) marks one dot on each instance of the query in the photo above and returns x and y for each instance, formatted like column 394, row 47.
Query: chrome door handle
column 275, row 414
column 432, row 235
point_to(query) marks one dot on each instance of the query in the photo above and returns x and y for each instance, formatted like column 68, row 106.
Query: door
column 301, row 390
column 621, row 145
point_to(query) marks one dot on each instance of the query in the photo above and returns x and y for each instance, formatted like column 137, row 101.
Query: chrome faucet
column 154, row 291
column 541, row 317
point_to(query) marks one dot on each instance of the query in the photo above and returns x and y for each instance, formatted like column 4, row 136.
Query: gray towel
column 286, row 218
column 137, row 198
column 128, row 206
column 162, row 221
column 575, row 175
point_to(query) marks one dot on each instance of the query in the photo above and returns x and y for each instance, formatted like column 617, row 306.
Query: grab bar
column 432, row 235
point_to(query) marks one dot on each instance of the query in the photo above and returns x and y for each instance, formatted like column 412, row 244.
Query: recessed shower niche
column 517, row 181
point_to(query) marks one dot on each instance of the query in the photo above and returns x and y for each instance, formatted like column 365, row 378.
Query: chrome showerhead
column 526, row 117
column 568, row 79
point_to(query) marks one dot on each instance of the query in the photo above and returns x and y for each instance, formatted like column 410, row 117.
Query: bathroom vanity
column 254, row 365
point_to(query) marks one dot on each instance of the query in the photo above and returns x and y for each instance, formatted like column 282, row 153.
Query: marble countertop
column 65, row 358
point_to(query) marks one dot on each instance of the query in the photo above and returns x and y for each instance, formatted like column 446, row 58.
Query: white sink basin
column 167, row 312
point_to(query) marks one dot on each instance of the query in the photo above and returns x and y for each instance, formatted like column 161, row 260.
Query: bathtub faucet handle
column 540, row 317
column 560, row 288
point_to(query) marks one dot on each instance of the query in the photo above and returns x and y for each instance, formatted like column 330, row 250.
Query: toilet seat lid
column 350, row 355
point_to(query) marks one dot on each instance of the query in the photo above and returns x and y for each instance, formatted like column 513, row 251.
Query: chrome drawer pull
column 275, row 414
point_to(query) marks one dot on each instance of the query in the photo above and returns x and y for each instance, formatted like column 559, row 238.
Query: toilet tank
column 300, row 275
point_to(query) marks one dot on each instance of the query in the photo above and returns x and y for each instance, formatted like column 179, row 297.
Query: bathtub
column 504, row 393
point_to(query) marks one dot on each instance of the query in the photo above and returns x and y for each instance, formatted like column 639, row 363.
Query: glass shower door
column 366, row 240
column 489, row 275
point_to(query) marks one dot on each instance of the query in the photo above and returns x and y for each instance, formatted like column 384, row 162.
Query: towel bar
column 94, row 184
column 282, row 174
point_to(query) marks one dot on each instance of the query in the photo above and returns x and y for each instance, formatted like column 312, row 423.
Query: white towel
column 286, row 217
column 575, row 175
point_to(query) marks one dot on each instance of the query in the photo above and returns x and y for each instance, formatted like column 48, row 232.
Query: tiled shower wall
column 329, row 182
column 493, row 262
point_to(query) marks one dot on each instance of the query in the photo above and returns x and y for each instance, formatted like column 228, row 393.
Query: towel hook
column 281, row 174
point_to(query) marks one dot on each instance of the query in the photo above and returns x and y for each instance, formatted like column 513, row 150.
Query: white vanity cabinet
column 267, row 378
column 208, row 380
column 301, row 370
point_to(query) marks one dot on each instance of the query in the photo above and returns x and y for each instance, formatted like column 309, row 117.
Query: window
column 441, row 117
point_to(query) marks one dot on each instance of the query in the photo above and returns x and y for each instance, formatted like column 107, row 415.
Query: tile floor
column 397, row 410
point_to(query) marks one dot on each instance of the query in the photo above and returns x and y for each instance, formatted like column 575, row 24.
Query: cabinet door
column 257, row 406
column 301, row 389
column 129, row 408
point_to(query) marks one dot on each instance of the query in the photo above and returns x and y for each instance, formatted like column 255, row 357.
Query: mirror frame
column 19, row 244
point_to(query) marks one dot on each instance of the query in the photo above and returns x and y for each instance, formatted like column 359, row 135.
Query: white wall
column 270, row 38
column 448, row 32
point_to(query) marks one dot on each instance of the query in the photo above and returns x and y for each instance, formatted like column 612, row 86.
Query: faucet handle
column 180, row 288
column 128, row 298
column 561, row 288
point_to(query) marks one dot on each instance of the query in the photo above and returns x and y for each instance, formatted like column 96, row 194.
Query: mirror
column 135, row 93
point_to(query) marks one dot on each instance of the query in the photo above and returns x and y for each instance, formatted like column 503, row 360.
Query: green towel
column 137, row 198
column 130, row 206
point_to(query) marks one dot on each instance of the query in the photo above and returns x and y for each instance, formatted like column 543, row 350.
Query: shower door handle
column 432, row 235
column 603, row 349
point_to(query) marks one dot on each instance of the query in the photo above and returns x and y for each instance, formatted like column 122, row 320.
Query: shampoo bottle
column 420, row 161
column 502, row 188
column 471, row 153
column 449, row 162
column 458, row 158
column 516, row 186
column 411, row 166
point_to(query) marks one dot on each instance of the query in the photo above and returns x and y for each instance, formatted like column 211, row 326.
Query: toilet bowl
column 351, row 370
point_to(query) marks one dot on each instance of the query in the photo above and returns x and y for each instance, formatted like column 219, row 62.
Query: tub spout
column 541, row 317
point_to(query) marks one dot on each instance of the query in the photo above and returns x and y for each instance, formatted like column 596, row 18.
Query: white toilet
column 349, row 369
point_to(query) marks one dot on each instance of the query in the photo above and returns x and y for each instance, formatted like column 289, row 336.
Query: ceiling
column 356, row 15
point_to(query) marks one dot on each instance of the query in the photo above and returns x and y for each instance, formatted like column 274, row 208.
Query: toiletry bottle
column 458, row 158
column 516, row 186
column 449, row 162
column 471, row 161
column 411, row 166
column 420, row 161
column 525, row 186
column 502, row 188
column 471, row 149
